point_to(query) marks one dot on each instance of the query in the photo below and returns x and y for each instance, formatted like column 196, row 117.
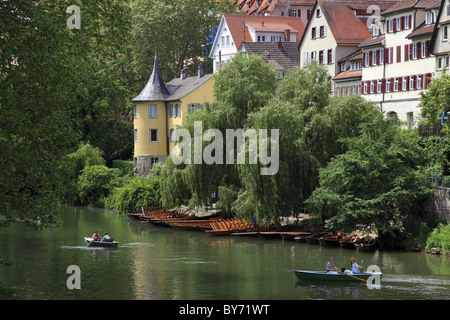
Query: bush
column 95, row 183
column 440, row 237
column 135, row 193
column 125, row 167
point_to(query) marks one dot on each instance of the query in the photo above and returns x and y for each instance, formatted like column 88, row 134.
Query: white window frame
column 444, row 33
column 395, row 84
column 135, row 135
column 419, row 82
column 381, row 56
column 414, row 51
column 372, row 86
column 171, row 138
column 174, row 110
column 388, row 85
column 390, row 25
column 374, row 57
column 406, row 22
column 379, row 83
column 398, row 24
column 423, row 49
column 153, row 111
column 404, row 84
column 411, row 83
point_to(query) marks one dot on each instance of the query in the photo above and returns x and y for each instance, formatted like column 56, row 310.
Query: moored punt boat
column 90, row 243
column 270, row 234
column 366, row 243
column 326, row 276
column 291, row 235
column 349, row 242
column 314, row 238
column 331, row 240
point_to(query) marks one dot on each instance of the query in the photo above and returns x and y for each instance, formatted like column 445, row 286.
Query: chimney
column 200, row 71
column 287, row 35
column 183, row 74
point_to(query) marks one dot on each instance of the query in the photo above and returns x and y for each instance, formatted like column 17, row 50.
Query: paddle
column 90, row 243
column 355, row 277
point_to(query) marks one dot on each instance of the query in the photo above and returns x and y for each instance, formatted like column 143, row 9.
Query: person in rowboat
column 330, row 267
column 355, row 267
column 96, row 236
column 345, row 271
column 106, row 238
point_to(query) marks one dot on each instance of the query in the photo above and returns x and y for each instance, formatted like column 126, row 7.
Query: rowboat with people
column 328, row 276
column 90, row 242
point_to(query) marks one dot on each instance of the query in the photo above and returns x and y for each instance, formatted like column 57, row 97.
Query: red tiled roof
column 251, row 7
column 405, row 5
column 348, row 74
column 422, row 30
column 239, row 31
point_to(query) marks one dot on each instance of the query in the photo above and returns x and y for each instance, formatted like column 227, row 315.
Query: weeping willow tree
column 240, row 88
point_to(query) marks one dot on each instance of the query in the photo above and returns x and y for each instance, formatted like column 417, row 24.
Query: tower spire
column 156, row 89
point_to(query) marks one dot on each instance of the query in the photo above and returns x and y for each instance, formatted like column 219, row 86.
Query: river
column 158, row 263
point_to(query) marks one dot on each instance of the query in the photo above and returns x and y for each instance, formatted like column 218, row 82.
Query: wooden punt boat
column 326, row 276
column 314, row 238
column 349, row 242
column 331, row 240
column 366, row 243
column 290, row 235
column 88, row 241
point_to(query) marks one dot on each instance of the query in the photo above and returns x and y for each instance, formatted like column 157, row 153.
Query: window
column 371, row 86
column 171, row 137
column 228, row 41
column 134, row 112
column 388, row 85
column 321, row 57
column 323, row 31
column 194, row 106
column 396, row 84
column 153, row 135
column 374, row 58
column 381, row 53
column 404, row 83
column 174, row 110
column 444, row 33
column 367, row 60
column 365, row 87
column 318, row 13
column 379, row 86
column 429, row 17
column 330, row 56
column 294, row 13
column 223, row 41
column 261, row 38
column 356, row 65
column 313, row 33
column 390, row 25
column 152, row 111
column 414, row 51
column 135, row 136
column 419, row 82
column 398, row 24
column 153, row 161
column 411, row 83
column 406, row 22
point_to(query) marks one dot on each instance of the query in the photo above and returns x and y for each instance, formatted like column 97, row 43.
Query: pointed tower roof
column 156, row 89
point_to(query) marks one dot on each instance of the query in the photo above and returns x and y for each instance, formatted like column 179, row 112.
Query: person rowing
column 330, row 268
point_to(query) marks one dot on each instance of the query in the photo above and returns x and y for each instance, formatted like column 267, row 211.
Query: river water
column 158, row 263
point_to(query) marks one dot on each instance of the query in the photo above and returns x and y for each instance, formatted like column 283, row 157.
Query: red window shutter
column 427, row 47
column 419, row 50
column 414, row 87
column 394, row 24
column 377, row 52
column 391, row 85
column 362, row 87
column 370, row 58
column 383, row 85
column 386, row 55
column 375, row 86
column 406, row 52
column 400, row 83
column 402, row 21
column 399, row 53
column 364, row 60
column 407, row 84
column 410, row 51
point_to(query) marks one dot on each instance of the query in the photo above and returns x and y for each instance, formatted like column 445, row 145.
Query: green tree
column 379, row 183
column 95, row 183
column 436, row 100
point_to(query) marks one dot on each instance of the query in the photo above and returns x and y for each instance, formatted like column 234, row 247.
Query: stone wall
column 440, row 203
column 142, row 164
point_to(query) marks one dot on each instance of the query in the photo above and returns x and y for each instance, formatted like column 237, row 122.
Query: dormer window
column 429, row 18
column 318, row 13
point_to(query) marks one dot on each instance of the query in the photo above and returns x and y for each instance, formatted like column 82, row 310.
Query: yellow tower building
column 159, row 109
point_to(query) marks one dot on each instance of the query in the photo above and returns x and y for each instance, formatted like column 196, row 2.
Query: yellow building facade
column 159, row 109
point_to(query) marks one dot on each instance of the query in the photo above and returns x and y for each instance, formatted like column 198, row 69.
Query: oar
column 90, row 243
column 355, row 277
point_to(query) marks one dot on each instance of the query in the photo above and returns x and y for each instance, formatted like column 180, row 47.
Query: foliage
column 242, row 87
column 379, row 183
column 95, row 183
column 436, row 99
column 125, row 167
column 135, row 193
column 440, row 237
